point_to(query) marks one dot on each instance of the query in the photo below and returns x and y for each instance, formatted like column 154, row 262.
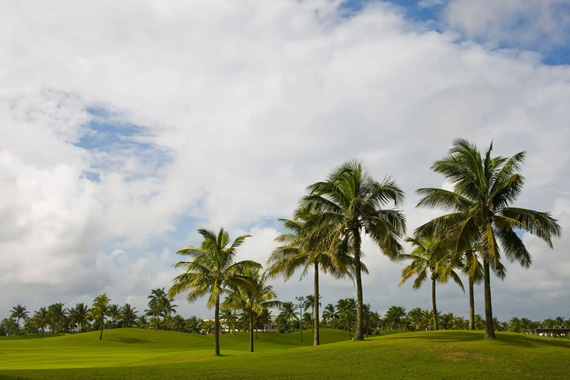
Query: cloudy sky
column 126, row 126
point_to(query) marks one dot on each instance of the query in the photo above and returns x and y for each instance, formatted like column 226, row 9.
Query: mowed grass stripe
column 433, row 355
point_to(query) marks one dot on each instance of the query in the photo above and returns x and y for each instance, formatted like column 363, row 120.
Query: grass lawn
column 147, row 354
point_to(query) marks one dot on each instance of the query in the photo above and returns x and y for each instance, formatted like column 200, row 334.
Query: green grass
column 144, row 354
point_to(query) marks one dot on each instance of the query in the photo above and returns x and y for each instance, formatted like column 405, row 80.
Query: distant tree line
column 57, row 320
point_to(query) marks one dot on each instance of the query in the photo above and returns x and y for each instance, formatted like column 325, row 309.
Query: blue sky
column 431, row 13
column 127, row 127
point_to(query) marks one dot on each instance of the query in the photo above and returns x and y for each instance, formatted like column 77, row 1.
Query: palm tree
column 128, row 315
column 211, row 271
column 57, row 315
column 142, row 322
column 114, row 312
column 429, row 255
column 415, row 316
column 301, row 250
column 484, row 186
column 265, row 318
column 193, row 325
column 42, row 318
column 99, row 310
column 394, row 317
column 160, row 304
column 329, row 315
column 19, row 312
column 288, row 313
column 79, row 316
column 350, row 203
column 251, row 299
column 347, row 313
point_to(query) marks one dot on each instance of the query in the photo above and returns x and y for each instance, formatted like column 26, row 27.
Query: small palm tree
column 350, row 202
column 19, row 312
column 193, row 325
column 99, row 310
column 265, row 318
column 329, row 315
column 128, row 315
column 114, row 312
column 57, row 315
column 42, row 319
column 430, row 256
column 251, row 299
column 303, row 248
column 483, row 189
column 394, row 317
column 211, row 271
column 79, row 316
column 288, row 314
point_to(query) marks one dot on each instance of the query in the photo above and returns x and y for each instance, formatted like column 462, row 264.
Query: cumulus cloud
column 235, row 108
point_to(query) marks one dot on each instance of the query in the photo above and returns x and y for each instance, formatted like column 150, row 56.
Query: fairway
column 148, row 354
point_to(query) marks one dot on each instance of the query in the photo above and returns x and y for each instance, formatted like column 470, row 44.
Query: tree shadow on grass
column 521, row 340
column 132, row 340
column 532, row 341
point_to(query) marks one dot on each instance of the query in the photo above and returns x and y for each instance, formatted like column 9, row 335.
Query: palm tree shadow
column 532, row 341
column 132, row 340
column 503, row 339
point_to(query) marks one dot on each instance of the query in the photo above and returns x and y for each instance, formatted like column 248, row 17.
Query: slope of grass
column 434, row 355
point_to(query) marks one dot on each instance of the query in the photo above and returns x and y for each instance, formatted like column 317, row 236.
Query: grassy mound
column 143, row 354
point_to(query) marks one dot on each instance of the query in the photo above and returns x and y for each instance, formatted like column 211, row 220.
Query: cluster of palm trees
column 102, row 314
column 212, row 271
column 326, row 231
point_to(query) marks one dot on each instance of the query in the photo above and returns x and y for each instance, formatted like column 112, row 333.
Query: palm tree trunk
column 251, row 331
column 489, row 328
column 471, row 305
column 357, row 268
column 102, row 327
column 42, row 332
column 217, row 327
column 316, row 340
column 435, row 326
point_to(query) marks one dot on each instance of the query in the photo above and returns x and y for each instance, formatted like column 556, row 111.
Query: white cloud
column 540, row 24
column 241, row 105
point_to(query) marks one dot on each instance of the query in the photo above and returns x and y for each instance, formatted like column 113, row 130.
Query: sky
column 127, row 126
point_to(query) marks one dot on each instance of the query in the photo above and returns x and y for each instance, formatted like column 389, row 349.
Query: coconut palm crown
column 484, row 187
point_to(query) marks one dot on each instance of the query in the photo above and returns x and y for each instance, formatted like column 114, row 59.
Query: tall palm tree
column 302, row 248
column 483, row 189
column 251, row 299
column 349, row 203
column 211, row 271
column 19, row 312
column 429, row 256
column 99, row 310
column 79, row 316
column 42, row 318
column 128, row 315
